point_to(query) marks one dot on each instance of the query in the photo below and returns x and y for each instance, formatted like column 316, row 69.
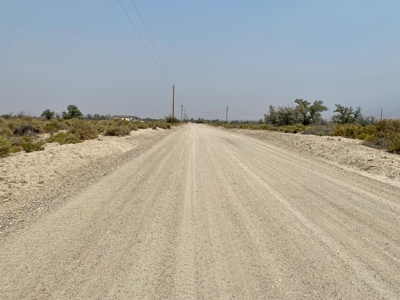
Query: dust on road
column 208, row 214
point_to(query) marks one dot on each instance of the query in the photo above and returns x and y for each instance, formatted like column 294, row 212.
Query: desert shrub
column 349, row 130
column 115, row 130
column 321, row 130
column 83, row 129
column 370, row 129
column 19, row 140
column 25, row 125
column 394, row 145
column 15, row 149
column 5, row 130
column 5, row 146
column 54, row 125
column 118, row 127
column 25, row 129
column 64, row 138
column 32, row 146
column 294, row 128
column 141, row 125
column 388, row 126
column 101, row 126
column 71, row 138
column 163, row 125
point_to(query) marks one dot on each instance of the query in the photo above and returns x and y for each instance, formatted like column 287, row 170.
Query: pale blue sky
column 244, row 54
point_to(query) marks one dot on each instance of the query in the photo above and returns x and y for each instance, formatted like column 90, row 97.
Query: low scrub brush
column 32, row 146
column 25, row 126
column 115, row 130
column 5, row 146
column 83, row 129
column 321, row 130
column 54, row 125
column 64, row 138
column 394, row 146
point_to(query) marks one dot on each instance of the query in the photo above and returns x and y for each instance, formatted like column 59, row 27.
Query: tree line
column 307, row 113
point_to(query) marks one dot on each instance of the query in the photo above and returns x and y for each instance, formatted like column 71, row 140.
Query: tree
column 271, row 117
column 346, row 114
column 73, row 112
column 304, row 113
column 170, row 120
column 48, row 114
column 309, row 114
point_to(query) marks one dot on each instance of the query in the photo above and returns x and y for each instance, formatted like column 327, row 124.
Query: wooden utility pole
column 227, row 114
column 181, row 111
column 381, row 113
column 173, row 103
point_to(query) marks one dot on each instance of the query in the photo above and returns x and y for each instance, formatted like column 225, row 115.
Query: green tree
column 170, row 120
column 346, row 114
column 48, row 114
column 309, row 114
column 271, row 118
column 73, row 112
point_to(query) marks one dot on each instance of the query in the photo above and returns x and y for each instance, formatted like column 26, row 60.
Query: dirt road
column 207, row 214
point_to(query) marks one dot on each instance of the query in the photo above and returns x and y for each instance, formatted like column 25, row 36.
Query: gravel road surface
column 209, row 214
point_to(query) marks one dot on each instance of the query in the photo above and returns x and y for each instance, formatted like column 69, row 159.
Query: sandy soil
column 33, row 181
column 348, row 153
column 211, row 214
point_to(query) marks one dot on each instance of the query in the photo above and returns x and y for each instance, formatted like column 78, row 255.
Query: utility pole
column 173, row 103
column 227, row 115
column 181, row 111
column 381, row 113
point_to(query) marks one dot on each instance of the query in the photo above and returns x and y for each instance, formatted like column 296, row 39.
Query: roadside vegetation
column 27, row 133
column 305, row 118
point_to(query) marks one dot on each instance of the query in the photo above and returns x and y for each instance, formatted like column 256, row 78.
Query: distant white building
column 127, row 118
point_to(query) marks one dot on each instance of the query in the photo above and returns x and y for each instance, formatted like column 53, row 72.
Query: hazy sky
column 243, row 54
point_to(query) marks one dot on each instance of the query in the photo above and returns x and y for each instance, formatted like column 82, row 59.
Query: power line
column 155, row 48
column 206, row 112
column 133, row 25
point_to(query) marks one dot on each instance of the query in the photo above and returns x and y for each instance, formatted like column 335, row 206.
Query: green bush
column 394, row 146
column 15, row 149
column 83, row 129
column 32, row 146
column 297, row 128
column 161, row 124
column 349, row 130
column 25, row 126
column 64, row 138
column 5, row 146
column 140, row 124
column 115, row 130
column 5, row 130
column 321, row 130
column 54, row 125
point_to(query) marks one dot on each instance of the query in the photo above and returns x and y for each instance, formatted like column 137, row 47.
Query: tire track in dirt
column 363, row 271
column 185, row 278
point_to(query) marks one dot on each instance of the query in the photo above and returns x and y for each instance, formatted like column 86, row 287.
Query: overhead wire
column 206, row 112
column 133, row 25
column 155, row 48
